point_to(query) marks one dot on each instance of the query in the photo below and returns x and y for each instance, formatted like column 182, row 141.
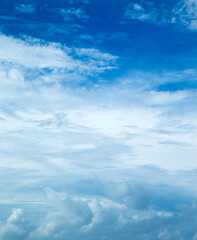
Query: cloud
column 70, row 14
column 15, row 216
column 183, row 13
column 25, row 8
column 58, row 136
column 164, row 80
column 130, row 194
column 97, row 217
column 8, row 18
column 72, row 214
column 136, row 11
column 49, row 62
column 118, row 126
column 186, row 12
column 117, row 158
column 14, row 227
column 94, row 54
column 33, row 55
column 195, row 237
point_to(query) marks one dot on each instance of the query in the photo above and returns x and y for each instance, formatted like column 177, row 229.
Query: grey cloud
column 100, row 218
column 130, row 194
column 14, row 228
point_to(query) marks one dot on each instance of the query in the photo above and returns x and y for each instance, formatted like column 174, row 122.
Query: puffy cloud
column 15, row 216
column 67, row 220
column 98, row 217
column 14, row 227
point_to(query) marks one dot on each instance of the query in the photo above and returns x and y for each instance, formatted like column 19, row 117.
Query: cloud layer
column 98, row 120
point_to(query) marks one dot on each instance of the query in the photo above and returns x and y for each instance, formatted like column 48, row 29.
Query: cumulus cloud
column 71, row 215
column 97, row 217
column 14, row 227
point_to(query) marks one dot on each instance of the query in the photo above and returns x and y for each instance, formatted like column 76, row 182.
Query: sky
column 98, row 119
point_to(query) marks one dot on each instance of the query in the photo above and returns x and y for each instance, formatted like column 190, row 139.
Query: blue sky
column 98, row 120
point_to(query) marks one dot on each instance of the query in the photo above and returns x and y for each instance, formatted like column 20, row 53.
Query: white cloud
column 15, row 216
column 137, row 12
column 184, row 13
column 35, row 54
column 56, row 135
column 70, row 13
column 146, row 12
column 114, row 122
column 94, row 54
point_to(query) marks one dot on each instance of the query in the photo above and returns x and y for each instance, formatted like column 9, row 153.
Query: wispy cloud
column 186, row 13
column 33, row 55
column 25, row 8
column 59, row 62
column 70, row 14
column 91, row 155
column 182, row 13
column 146, row 12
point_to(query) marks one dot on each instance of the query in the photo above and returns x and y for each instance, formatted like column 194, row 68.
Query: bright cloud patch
column 35, row 54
